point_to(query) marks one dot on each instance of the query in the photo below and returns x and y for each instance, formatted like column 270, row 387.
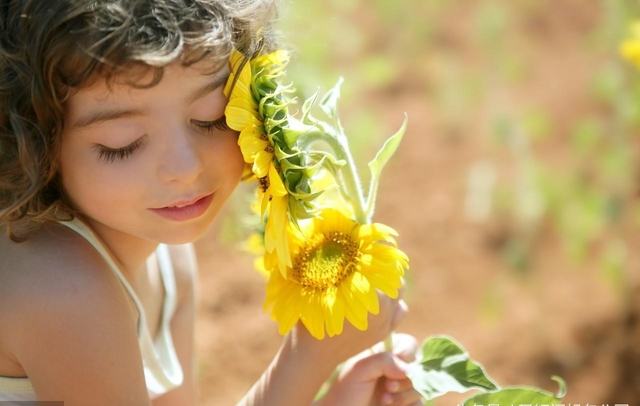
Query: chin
column 187, row 232
column 182, row 238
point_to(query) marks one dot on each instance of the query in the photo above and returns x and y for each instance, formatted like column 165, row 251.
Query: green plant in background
column 586, row 197
column 577, row 182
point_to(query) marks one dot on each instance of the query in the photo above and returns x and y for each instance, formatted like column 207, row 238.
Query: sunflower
column 249, row 86
column 337, row 265
column 257, row 109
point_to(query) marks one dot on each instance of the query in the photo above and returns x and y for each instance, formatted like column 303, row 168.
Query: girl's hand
column 376, row 379
column 304, row 363
column 352, row 341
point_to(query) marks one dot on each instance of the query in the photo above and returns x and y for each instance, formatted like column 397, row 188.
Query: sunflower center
column 325, row 260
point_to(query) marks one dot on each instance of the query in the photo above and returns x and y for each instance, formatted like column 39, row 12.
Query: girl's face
column 154, row 163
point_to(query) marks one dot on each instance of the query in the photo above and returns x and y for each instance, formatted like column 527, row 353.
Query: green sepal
column 273, row 108
column 443, row 367
column 305, row 196
column 291, row 180
column 264, row 87
column 282, row 155
column 377, row 164
column 329, row 102
column 307, row 106
column 291, row 135
column 328, row 159
column 297, row 211
column 308, row 170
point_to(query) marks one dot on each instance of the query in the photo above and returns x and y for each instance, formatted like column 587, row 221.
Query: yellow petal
column 383, row 282
column 235, row 61
column 262, row 161
column 333, row 304
column 250, row 144
column 311, row 315
column 355, row 311
column 365, row 293
column 276, row 187
column 240, row 114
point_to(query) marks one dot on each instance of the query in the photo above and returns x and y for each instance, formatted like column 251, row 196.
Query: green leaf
column 378, row 163
column 519, row 396
column 562, row 390
column 512, row 396
column 329, row 102
column 444, row 367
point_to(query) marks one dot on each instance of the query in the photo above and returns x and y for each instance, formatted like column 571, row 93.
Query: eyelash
column 110, row 155
column 208, row 126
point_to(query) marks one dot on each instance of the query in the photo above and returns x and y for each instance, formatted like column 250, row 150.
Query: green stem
column 337, row 141
column 348, row 173
column 388, row 343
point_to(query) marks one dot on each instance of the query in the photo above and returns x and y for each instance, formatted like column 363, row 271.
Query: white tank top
column 162, row 370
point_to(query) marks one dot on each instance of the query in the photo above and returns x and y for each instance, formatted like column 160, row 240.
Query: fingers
column 394, row 310
column 400, row 393
column 397, row 392
column 399, row 314
column 374, row 366
column 405, row 347
column 398, row 386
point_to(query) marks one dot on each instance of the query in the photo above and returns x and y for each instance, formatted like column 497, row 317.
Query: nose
column 181, row 160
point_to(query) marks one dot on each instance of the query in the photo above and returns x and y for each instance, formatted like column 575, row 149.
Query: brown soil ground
column 559, row 318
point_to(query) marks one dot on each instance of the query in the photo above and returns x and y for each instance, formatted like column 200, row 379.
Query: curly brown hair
column 48, row 48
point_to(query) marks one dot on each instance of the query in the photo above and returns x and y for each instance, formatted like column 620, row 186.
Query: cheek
column 90, row 184
column 229, row 157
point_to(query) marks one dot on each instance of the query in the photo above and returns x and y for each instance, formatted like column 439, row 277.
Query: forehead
column 138, row 81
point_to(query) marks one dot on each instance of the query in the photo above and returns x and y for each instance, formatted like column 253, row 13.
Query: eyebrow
column 208, row 88
column 105, row 115
column 100, row 116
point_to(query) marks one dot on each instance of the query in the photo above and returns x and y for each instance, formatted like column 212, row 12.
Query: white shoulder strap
column 162, row 367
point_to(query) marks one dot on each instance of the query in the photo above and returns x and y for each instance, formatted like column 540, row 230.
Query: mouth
column 185, row 209
column 185, row 203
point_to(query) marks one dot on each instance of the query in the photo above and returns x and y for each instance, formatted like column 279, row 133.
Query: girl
column 113, row 143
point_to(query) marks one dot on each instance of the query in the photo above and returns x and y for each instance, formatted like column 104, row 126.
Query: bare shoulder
column 66, row 314
column 54, row 265
column 54, row 268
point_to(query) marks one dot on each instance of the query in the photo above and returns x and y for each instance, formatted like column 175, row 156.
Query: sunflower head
column 337, row 265
column 258, row 109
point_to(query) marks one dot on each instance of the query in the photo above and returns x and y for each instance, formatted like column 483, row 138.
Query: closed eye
column 219, row 124
column 111, row 154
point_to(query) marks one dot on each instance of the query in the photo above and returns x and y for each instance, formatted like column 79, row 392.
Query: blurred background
column 516, row 190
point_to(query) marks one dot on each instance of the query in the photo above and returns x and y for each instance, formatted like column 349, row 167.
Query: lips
column 184, row 210
column 184, row 203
